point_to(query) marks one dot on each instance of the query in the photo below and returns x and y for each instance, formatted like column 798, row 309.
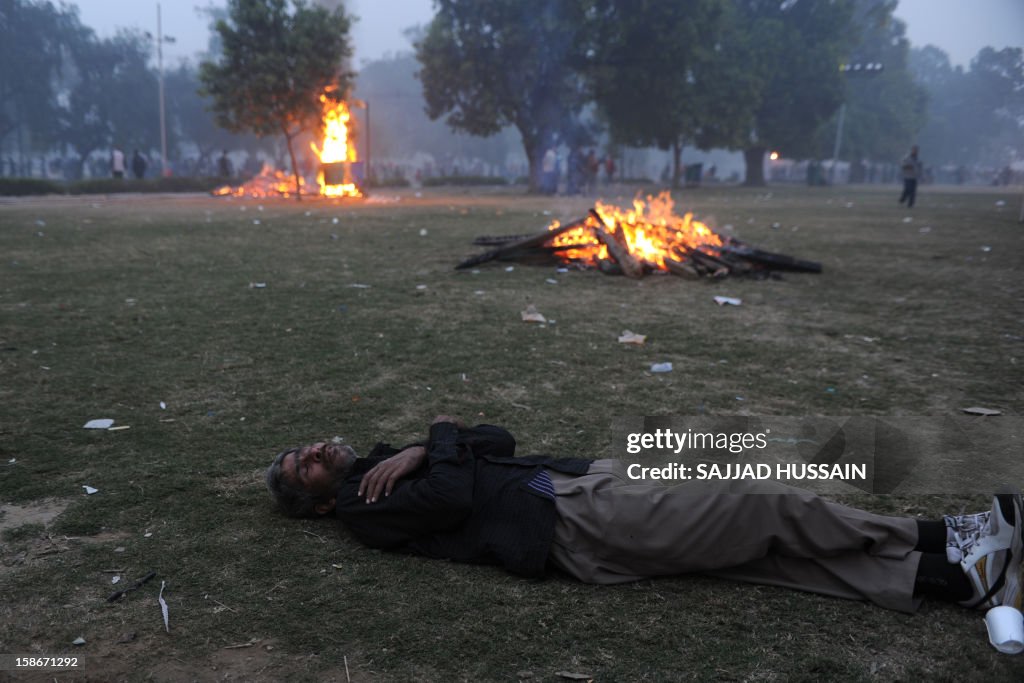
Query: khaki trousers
column 613, row 529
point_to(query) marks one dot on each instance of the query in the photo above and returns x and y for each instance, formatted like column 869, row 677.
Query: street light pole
column 871, row 68
column 160, row 79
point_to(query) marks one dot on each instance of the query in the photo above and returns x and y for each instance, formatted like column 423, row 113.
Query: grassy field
column 145, row 310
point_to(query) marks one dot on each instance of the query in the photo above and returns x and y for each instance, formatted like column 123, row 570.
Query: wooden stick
column 617, row 249
column 534, row 240
column 682, row 269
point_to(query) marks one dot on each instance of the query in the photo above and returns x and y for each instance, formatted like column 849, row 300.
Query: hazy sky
column 960, row 27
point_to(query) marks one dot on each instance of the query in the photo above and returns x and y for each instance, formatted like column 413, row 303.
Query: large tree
column 648, row 71
column 974, row 115
column 277, row 58
column 111, row 95
column 793, row 50
column 487, row 64
column 34, row 44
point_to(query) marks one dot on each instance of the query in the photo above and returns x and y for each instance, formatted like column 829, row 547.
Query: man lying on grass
column 462, row 496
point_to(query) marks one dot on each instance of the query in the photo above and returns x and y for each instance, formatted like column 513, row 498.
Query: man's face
column 318, row 468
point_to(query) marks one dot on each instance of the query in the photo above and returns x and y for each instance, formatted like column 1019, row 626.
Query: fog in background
column 403, row 138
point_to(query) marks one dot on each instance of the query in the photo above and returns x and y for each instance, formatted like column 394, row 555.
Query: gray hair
column 293, row 500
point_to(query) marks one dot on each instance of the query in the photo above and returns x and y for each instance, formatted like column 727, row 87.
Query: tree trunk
column 295, row 167
column 677, row 157
column 754, row 159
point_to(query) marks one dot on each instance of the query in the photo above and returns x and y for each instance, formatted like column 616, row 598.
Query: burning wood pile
column 336, row 176
column 649, row 238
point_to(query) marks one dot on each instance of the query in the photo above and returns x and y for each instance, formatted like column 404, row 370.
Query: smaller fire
column 268, row 183
column 336, row 153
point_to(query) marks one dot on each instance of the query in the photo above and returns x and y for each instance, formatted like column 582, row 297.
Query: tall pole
column 160, row 79
column 839, row 139
column 367, row 180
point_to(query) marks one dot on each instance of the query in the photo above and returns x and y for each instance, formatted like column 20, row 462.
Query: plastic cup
column 1005, row 629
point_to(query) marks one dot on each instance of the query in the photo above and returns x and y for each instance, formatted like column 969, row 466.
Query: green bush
column 463, row 180
column 18, row 187
column 148, row 185
column 396, row 181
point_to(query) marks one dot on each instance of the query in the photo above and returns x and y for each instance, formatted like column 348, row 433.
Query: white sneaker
column 961, row 533
column 993, row 553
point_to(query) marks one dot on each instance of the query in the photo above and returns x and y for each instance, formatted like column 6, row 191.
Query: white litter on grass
column 421, row 286
column 148, row 534
column 479, row 292
column 551, row 281
column 561, row 270
column 257, row 285
column 255, row 221
column 12, row 461
column 908, row 219
column 629, row 337
column 723, row 300
column 163, row 607
column 89, row 490
column 163, row 406
column 532, row 315
column 978, row 410
column 510, row 269
column 925, row 230
column 115, row 579
column 1000, row 202
column 985, row 248
column 118, row 428
column 357, row 285
column 423, row 232
column 101, row 423
column 78, row 641
column 661, row 367
column 334, row 221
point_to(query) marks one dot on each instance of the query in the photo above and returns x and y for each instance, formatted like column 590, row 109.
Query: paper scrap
column 628, row 337
column 163, row 606
column 163, row 406
column 257, row 285
column 661, row 367
column 118, row 428
column 102, row 423
column 723, row 300
column 115, row 579
column 359, row 286
column 89, row 490
column 531, row 315
column 78, row 641
column 978, row 410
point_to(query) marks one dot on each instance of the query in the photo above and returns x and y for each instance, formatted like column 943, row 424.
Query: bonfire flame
column 651, row 231
column 269, row 183
column 336, row 152
column 338, row 147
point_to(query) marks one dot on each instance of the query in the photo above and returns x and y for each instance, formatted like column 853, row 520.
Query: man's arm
column 436, row 502
column 482, row 440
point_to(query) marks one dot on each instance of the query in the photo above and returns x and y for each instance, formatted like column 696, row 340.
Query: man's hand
column 383, row 475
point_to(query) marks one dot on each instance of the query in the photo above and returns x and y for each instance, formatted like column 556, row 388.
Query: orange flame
column 338, row 146
column 652, row 231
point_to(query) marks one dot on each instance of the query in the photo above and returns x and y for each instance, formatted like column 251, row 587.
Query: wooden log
column 532, row 241
column 773, row 260
column 682, row 269
column 498, row 240
column 715, row 267
column 617, row 249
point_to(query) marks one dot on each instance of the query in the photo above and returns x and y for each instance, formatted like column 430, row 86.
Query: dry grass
column 110, row 306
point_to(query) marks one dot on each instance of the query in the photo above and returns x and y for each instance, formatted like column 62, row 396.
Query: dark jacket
column 469, row 502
